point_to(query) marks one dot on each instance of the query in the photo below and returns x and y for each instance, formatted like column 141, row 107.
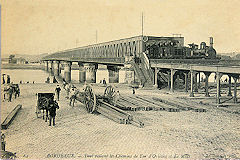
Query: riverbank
column 22, row 66
column 178, row 135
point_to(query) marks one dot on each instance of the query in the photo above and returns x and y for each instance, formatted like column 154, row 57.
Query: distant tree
column 11, row 57
column 237, row 56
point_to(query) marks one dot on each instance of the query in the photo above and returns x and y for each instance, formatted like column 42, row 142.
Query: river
column 36, row 76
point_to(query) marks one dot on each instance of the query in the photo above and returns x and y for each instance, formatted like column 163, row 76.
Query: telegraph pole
column 142, row 23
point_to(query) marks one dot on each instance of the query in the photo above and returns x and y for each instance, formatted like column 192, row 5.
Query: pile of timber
column 181, row 105
column 137, row 103
column 116, row 114
column 146, row 103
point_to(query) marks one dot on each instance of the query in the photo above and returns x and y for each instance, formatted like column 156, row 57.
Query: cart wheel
column 90, row 99
column 112, row 94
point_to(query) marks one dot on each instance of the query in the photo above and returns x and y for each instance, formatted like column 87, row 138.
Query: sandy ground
column 166, row 135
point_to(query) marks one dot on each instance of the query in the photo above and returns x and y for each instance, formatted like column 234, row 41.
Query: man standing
column 3, row 79
column 52, row 110
column 8, row 79
column 57, row 90
column 10, row 92
column 104, row 82
column 133, row 90
column 54, row 79
column 72, row 96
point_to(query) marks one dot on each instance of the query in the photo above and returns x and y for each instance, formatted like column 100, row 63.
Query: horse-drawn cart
column 43, row 101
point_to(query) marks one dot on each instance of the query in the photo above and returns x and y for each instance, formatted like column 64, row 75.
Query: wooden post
column 229, row 85
column 191, row 92
column 207, row 74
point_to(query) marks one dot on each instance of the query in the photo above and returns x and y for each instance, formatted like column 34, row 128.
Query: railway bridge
column 125, row 61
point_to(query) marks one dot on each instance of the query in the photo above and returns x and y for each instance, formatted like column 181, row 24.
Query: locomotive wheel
column 112, row 94
column 90, row 99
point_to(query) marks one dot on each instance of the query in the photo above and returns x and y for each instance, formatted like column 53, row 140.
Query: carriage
column 91, row 100
column 43, row 101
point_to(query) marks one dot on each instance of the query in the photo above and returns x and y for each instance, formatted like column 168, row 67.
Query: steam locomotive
column 172, row 48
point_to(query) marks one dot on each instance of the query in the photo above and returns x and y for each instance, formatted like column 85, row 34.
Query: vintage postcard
column 120, row 79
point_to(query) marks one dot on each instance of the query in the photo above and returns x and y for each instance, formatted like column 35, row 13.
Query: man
column 10, row 92
column 64, row 84
column 104, row 82
column 48, row 80
column 133, row 90
column 52, row 110
column 54, row 80
column 84, row 86
column 6, row 91
column 8, row 79
column 57, row 90
column 17, row 91
column 3, row 79
column 72, row 96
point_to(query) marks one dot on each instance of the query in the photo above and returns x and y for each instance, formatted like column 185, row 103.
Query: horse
column 7, row 92
column 16, row 90
column 44, row 102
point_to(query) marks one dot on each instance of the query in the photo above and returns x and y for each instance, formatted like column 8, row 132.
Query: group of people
column 8, row 79
column 54, row 80
column 9, row 89
column 104, row 82
column 72, row 92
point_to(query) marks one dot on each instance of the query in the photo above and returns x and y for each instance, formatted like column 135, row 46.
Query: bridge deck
column 204, row 66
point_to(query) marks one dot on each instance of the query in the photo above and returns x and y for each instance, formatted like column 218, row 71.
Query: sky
column 47, row 26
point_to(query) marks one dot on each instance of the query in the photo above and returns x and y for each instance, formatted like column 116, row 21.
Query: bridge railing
column 186, row 61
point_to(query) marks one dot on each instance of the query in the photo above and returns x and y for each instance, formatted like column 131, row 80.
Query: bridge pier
column 199, row 79
column 50, row 65
column 195, row 82
column 126, row 75
column 102, row 73
column 156, row 70
column 207, row 74
column 218, row 78
column 235, row 88
column 113, row 72
column 191, row 92
column 46, row 65
column 82, row 73
column 67, row 71
column 229, row 85
column 56, row 68
column 173, row 71
column 90, row 72
column 169, row 80
column 186, row 81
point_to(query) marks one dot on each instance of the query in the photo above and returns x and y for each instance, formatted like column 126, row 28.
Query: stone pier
column 56, row 68
column 67, row 71
column 82, row 73
column 90, row 72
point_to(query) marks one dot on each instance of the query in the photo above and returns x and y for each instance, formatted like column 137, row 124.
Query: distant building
column 19, row 60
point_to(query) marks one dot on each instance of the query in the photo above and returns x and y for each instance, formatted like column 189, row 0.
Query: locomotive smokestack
column 211, row 41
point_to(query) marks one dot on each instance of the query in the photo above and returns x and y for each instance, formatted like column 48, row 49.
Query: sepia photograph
column 120, row 79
